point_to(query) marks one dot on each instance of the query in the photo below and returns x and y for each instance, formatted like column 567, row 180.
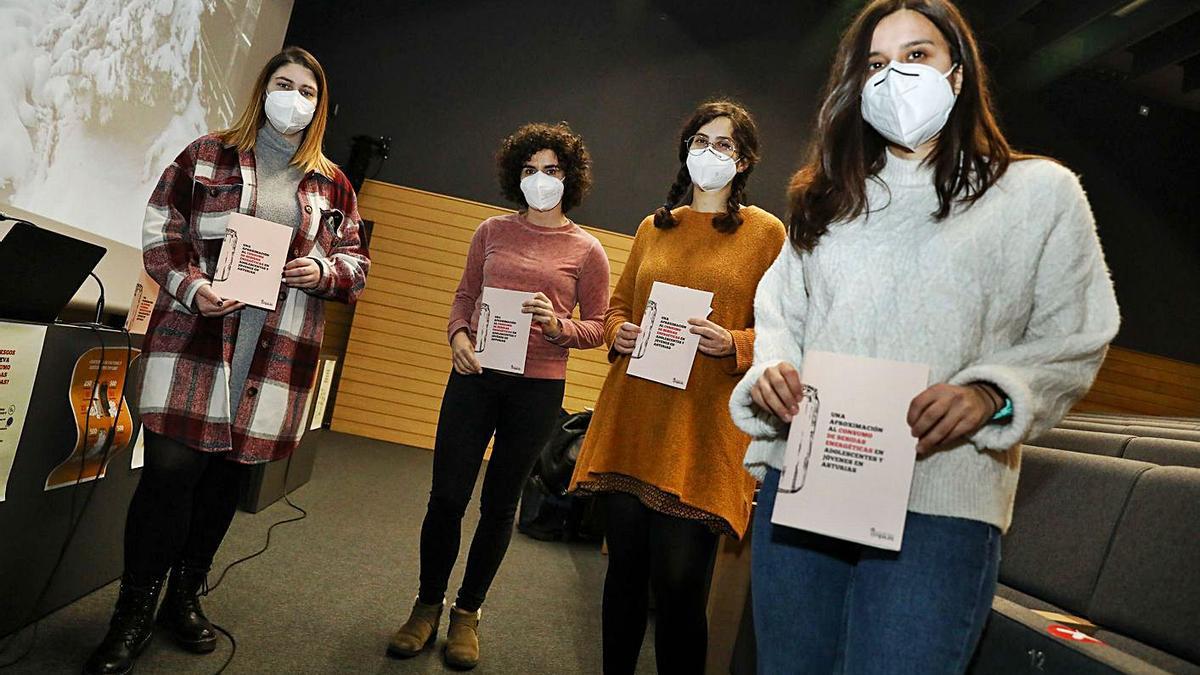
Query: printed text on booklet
column 250, row 267
column 666, row 347
column 502, row 334
column 850, row 454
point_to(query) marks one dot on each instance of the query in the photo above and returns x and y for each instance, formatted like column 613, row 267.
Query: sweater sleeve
column 587, row 331
column 471, row 285
column 1074, row 317
column 344, row 270
column 742, row 358
column 620, row 307
column 168, row 254
column 780, row 304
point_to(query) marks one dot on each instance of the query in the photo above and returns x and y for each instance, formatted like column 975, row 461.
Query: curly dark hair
column 745, row 135
column 573, row 159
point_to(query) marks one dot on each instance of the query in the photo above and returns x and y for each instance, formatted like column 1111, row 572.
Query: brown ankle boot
column 418, row 632
column 462, row 639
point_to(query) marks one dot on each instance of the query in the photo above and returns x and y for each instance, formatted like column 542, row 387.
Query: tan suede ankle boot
column 418, row 632
column 462, row 639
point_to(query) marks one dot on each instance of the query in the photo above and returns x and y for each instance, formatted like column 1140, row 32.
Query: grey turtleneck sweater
column 278, row 183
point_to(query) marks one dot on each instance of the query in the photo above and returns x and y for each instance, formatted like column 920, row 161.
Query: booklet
column 502, row 334
column 666, row 347
column 250, row 268
column 850, row 453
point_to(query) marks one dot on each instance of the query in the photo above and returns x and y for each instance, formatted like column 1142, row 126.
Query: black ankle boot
column 130, row 629
column 181, row 613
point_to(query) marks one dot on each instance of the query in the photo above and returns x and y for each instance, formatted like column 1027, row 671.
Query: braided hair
column 745, row 136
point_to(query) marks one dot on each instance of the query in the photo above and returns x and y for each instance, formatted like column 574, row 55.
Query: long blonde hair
column 244, row 131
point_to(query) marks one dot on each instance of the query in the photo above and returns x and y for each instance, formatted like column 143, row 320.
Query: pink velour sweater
column 566, row 263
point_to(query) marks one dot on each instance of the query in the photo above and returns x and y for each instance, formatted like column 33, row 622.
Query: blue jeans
column 823, row 605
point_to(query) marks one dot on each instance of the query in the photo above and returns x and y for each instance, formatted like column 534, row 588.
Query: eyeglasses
column 552, row 171
column 699, row 143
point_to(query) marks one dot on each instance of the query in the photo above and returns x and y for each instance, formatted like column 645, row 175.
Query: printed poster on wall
column 103, row 425
column 324, row 384
column 145, row 294
column 848, row 466
column 20, row 354
column 137, row 458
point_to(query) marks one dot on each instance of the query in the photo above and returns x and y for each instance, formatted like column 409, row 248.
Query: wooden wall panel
column 1144, row 384
column 396, row 356
column 397, row 360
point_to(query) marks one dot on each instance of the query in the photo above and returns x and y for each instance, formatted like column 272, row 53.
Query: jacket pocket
column 212, row 203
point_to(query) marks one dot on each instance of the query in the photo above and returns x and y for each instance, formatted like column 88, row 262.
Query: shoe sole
column 396, row 652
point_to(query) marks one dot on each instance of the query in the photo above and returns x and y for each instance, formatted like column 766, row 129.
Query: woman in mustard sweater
column 667, row 461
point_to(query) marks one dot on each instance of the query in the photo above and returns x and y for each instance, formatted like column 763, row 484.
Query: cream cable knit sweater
column 1013, row 291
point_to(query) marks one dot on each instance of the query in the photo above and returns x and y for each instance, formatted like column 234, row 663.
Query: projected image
column 97, row 96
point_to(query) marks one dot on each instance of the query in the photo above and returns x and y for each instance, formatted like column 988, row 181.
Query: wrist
column 992, row 402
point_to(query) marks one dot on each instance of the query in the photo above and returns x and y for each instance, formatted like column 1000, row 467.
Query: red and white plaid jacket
column 186, row 356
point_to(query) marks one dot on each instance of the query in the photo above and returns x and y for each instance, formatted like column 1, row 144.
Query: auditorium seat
column 1091, row 442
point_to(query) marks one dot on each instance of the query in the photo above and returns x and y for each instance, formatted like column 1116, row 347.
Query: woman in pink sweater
column 546, row 170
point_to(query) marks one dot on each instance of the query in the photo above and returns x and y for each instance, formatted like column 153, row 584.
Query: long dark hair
column 745, row 136
column 971, row 153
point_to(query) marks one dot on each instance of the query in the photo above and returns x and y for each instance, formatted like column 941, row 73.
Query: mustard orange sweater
column 682, row 443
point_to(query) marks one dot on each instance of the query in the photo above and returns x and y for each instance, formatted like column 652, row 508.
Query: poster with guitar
column 103, row 424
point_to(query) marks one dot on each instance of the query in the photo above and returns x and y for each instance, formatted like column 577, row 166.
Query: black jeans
column 675, row 557
column 181, row 509
column 521, row 412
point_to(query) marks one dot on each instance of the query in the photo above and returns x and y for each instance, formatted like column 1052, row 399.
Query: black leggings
column 521, row 412
column 181, row 509
column 675, row 557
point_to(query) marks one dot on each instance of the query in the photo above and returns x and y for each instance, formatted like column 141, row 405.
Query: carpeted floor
column 328, row 594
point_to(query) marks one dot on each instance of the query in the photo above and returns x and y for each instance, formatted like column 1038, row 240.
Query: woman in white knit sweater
column 918, row 235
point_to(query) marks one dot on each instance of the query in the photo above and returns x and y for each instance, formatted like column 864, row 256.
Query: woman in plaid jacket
column 227, row 385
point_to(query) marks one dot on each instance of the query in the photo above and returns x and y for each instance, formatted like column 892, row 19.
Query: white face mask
column 908, row 104
column 710, row 170
column 542, row 192
column 288, row 111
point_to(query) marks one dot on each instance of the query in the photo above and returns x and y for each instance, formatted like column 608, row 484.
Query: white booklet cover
column 850, row 452
column 250, row 268
column 666, row 347
column 502, row 334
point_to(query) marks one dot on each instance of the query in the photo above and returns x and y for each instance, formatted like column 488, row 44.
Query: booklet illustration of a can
column 848, row 464
column 228, row 255
column 502, row 332
column 644, row 337
column 666, row 346
column 485, row 327
column 795, row 461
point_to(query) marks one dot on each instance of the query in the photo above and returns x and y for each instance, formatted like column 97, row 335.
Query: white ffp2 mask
column 288, row 111
column 710, row 170
column 542, row 192
column 909, row 103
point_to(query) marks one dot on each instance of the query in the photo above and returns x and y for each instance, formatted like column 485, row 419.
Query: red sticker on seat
column 1071, row 634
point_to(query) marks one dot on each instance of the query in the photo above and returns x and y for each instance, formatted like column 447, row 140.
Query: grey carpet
column 332, row 588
